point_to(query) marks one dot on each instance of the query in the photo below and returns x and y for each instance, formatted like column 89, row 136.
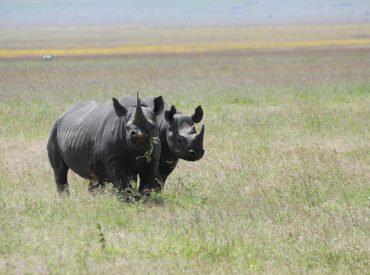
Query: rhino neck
column 163, row 127
column 118, row 129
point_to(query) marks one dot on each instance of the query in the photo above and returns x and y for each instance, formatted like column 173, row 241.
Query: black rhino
column 106, row 143
column 178, row 136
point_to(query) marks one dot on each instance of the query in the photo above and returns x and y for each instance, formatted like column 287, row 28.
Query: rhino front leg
column 165, row 168
column 159, row 182
column 94, row 186
column 118, row 176
column 148, row 179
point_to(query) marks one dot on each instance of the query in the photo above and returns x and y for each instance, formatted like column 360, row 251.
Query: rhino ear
column 118, row 108
column 198, row 115
column 168, row 115
column 158, row 105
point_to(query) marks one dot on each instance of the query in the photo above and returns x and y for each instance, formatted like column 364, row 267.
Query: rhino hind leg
column 60, row 174
column 57, row 163
column 61, row 180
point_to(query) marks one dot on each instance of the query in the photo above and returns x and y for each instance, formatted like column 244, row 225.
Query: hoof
column 137, row 196
column 145, row 192
column 64, row 194
column 63, row 190
column 94, row 191
column 127, row 195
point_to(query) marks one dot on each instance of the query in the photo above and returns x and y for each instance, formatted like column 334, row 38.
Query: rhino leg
column 94, row 185
column 57, row 163
column 148, row 179
column 159, row 183
column 133, row 178
column 60, row 174
column 61, row 179
column 165, row 168
column 118, row 176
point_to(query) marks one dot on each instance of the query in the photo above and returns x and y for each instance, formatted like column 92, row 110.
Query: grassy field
column 283, row 186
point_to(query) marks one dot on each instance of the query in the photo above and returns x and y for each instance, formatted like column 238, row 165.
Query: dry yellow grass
column 126, row 40
column 181, row 48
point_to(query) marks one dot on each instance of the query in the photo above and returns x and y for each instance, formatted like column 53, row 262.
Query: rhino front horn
column 200, row 136
column 139, row 114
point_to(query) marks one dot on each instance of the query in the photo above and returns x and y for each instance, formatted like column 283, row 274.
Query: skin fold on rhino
column 106, row 143
column 178, row 136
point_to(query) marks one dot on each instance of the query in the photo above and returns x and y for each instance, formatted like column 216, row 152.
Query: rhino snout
column 137, row 134
column 196, row 154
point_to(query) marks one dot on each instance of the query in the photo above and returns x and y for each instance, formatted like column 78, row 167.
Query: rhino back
column 166, row 107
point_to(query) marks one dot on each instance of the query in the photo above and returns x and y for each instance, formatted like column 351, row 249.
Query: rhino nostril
column 132, row 133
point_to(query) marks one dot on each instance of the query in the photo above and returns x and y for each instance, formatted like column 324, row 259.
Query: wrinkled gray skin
column 105, row 143
column 178, row 136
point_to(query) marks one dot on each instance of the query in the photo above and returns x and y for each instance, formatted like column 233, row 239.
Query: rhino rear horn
column 158, row 105
column 118, row 108
column 198, row 115
column 192, row 130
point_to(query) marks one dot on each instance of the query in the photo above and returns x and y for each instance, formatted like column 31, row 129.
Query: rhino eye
column 178, row 140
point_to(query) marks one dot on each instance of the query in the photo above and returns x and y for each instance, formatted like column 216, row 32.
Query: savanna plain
column 284, row 183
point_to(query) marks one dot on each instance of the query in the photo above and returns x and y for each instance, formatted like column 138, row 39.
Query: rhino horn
column 139, row 114
column 199, row 137
column 192, row 130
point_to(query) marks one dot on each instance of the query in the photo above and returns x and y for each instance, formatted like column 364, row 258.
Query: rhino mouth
column 143, row 143
column 141, row 139
column 192, row 155
column 140, row 142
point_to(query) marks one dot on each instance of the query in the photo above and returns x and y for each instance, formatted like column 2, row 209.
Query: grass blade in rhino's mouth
column 148, row 154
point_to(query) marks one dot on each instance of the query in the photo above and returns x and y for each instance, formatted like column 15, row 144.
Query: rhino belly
column 79, row 159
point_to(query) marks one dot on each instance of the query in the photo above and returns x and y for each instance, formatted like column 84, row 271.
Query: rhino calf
column 107, row 143
column 178, row 136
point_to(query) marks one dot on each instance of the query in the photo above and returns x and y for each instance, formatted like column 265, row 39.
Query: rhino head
column 141, row 123
column 182, row 138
